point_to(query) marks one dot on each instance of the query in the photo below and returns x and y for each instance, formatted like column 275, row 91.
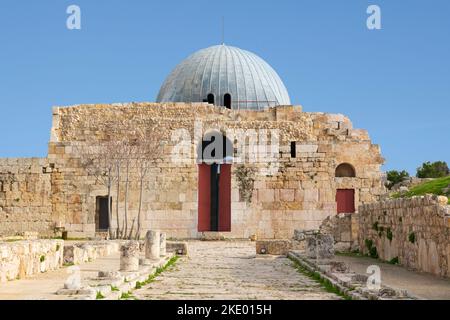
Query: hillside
column 438, row 186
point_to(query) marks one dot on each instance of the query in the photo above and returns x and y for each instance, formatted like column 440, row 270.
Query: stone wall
column 298, row 194
column 21, row 259
column 77, row 253
column 344, row 229
column 415, row 231
column 25, row 190
column 286, row 192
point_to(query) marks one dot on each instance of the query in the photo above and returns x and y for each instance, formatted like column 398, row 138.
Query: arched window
column 210, row 98
column 227, row 100
column 345, row 170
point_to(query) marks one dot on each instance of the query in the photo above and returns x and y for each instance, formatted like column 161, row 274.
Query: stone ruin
column 318, row 245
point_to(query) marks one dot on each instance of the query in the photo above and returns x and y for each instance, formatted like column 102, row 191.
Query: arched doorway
column 345, row 198
column 214, row 156
column 210, row 98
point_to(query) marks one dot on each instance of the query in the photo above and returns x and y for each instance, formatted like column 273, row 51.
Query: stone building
column 279, row 168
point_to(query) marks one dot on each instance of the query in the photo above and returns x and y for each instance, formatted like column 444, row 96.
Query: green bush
column 412, row 237
column 395, row 177
column 369, row 244
column 389, row 234
column 436, row 169
column 373, row 252
column 375, row 226
column 394, row 261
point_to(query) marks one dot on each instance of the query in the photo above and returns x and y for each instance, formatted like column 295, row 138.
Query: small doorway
column 345, row 199
column 227, row 100
column 101, row 214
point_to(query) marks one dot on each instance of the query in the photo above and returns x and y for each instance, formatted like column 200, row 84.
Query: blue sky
column 394, row 82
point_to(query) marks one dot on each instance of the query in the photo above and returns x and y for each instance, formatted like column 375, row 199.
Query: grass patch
column 127, row 295
column 114, row 288
column 68, row 264
column 325, row 283
column 159, row 270
column 434, row 187
column 42, row 259
column 99, row 296
column 151, row 278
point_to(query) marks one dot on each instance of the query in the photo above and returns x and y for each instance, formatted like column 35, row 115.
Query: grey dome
column 221, row 70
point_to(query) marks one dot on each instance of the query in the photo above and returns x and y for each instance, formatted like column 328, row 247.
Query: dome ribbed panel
column 219, row 70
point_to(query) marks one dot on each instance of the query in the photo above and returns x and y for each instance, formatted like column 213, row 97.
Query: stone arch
column 345, row 170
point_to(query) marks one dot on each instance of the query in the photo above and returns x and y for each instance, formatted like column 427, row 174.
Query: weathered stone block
column 320, row 246
column 179, row 248
column 274, row 247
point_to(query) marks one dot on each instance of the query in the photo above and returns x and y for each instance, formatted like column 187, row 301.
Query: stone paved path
column 422, row 285
column 231, row 270
column 43, row 286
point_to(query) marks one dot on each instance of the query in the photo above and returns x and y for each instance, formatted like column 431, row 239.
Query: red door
column 204, row 198
column 345, row 199
column 225, row 198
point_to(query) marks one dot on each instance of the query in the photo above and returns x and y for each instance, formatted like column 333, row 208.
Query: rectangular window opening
column 293, row 149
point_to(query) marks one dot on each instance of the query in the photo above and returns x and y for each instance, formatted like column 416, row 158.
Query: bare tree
column 149, row 149
column 128, row 147
column 99, row 161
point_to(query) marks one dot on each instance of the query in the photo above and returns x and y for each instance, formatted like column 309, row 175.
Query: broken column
column 162, row 246
column 152, row 245
column 129, row 256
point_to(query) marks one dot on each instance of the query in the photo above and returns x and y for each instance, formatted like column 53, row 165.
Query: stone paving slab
column 232, row 270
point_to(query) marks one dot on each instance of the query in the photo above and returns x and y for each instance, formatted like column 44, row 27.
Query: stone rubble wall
column 82, row 252
column 344, row 229
column 25, row 196
column 21, row 259
column 415, row 230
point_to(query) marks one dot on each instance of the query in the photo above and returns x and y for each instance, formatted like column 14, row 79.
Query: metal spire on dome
column 223, row 30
